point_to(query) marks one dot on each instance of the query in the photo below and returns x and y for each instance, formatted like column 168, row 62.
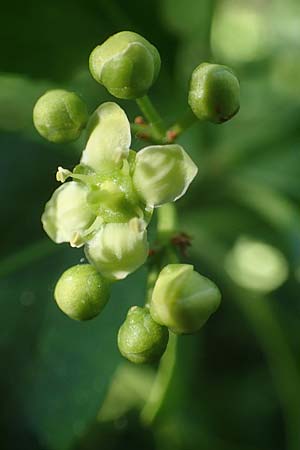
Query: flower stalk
column 153, row 118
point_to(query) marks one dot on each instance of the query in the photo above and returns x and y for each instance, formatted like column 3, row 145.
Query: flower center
column 112, row 196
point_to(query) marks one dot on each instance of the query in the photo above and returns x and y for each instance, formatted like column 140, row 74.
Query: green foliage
column 235, row 386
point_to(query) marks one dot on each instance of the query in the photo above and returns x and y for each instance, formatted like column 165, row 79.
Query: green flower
column 182, row 299
column 140, row 339
column 214, row 93
column 126, row 64
column 59, row 116
column 110, row 201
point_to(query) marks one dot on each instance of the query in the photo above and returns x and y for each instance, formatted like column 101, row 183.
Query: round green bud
column 183, row 299
column 126, row 64
column 59, row 116
column 140, row 339
column 81, row 292
column 214, row 93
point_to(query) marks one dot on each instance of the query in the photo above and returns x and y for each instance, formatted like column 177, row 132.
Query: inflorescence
column 106, row 202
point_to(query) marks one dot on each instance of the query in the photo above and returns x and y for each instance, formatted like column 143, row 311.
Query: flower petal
column 109, row 138
column 163, row 173
column 67, row 213
column 118, row 249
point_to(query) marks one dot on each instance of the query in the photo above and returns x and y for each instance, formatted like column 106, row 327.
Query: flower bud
column 140, row 339
column 126, row 64
column 81, row 292
column 59, row 116
column 118, row 249
column 214, row 93
column 183, row 299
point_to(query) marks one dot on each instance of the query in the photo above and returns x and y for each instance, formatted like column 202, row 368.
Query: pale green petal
column 118, row 249
column 163, row 173
column 67, row 213
column 109, row 138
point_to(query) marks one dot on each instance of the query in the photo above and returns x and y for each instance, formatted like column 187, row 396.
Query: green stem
column 161, row 383
column 183, row 123
column 152, row 116
column 167, row 222
column 143, row 132
column 151, row 279
column 166, row 227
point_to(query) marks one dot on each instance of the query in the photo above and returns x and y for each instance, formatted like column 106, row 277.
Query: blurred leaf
column 17, row 97
column 187, row 17
column 49, row 39
column 66, row 365
column 129, row 389
column 59, row 370
column 73, row 365
column 267, row 327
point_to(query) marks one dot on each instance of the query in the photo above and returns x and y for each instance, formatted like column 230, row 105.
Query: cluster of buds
column 182, row 301
column 105, row 203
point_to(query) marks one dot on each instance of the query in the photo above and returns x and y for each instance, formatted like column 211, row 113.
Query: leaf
column 17, row 98
column 187, row 17
column 67, row 366
column 129, row 389
column 49, row 40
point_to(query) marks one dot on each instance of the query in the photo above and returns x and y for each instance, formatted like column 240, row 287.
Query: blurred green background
column 236, row 384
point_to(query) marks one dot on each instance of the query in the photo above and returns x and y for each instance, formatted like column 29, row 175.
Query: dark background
column 236, row 384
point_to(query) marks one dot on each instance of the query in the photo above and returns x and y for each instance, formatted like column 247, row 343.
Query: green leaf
column 67, row 366
column 72, row 367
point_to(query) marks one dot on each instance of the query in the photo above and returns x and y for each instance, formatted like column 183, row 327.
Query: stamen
column 80, row 238
column 63, row 174
column 119, row 156
column 87, row 234
column 137, row 225
column 77, row 240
